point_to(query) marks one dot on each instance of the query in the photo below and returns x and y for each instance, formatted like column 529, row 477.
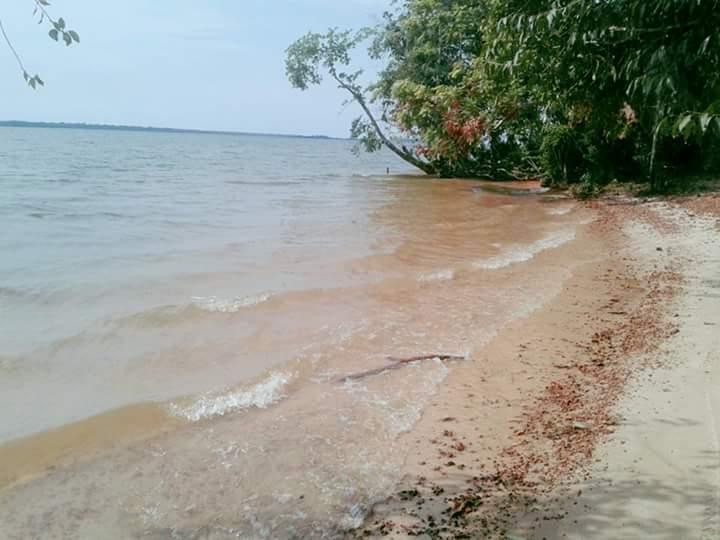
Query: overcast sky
column 205, row 64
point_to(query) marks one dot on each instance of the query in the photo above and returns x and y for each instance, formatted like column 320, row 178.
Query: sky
column 199, row 64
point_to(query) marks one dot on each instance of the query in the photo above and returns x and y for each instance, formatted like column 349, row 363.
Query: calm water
column 211, row 292
column 112, row 243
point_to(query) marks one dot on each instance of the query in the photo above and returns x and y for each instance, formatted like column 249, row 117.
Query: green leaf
column 74, row 35
column 61, row 23
column 550, row 17
column 705, row 121
column 44, row 2
column 684, row 122
column 671, row 84
column 704, row 45
column 53, row 34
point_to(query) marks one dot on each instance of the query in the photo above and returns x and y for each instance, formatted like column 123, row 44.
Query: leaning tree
column 313, row 54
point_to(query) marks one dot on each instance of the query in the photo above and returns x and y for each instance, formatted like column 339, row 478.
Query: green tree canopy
column 561, row 89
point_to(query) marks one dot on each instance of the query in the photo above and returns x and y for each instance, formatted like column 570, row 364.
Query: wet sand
column 24, row 459
column 565, row 428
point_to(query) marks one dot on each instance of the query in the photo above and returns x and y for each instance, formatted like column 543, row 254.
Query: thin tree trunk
column 424, row 166
column 654, row 180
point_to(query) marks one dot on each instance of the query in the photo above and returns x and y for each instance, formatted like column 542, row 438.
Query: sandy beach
column 595, row 417
column 406, row 269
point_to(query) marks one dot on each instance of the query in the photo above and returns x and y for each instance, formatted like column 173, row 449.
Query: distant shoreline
column 113, row 127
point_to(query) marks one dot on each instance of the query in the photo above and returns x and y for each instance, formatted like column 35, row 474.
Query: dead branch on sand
column 398, row 363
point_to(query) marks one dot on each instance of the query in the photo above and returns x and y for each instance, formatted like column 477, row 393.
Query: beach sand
column 658, row 476
column 596, row 416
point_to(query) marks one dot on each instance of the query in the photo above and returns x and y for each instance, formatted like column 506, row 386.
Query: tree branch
column 42, row 9
column 398, row 363
column 427, row 168
column 12, row 49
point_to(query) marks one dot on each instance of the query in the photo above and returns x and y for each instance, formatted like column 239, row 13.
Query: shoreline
column 81, row 441
column 90, row 437
column 502, row 445
column 506, row 465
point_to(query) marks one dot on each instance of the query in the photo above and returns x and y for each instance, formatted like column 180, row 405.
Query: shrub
column 561, row 155
column 587, row 188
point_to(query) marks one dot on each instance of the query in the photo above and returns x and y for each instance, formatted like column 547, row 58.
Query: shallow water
column 211, row 293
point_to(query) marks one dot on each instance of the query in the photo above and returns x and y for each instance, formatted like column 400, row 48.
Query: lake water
column 190, row 304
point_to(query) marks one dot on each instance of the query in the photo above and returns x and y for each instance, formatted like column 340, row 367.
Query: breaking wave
column 260, row 396
column 442, row 275
column 560, row 211
column 519, row 255
column 229, row 305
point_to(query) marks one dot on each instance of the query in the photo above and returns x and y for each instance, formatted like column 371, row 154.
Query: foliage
column 587, row 188
column 58, row 31
column 567, row 90
column 362, row 130
column 620, row 68
column 313, row 54
column 431, row 92
column 561, row 156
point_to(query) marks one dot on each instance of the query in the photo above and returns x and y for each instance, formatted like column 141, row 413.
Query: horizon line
column 150, row 129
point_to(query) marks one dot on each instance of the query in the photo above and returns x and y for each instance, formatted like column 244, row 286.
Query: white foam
column 283, row 498
column 442, row 275
column 524, row 254
column 561, row 211
column 229, row 305
column 402, row 419
column 260, row 396
column 354, row 518
column 400, row 411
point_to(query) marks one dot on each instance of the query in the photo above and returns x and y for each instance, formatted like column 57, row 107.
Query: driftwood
column 398, row 363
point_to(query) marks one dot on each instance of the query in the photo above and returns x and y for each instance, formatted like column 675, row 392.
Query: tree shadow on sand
column 659, row 507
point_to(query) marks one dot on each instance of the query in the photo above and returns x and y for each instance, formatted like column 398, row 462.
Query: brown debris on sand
column 560, row 427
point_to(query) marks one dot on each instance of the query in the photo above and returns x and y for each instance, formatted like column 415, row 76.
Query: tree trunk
column 424, row 166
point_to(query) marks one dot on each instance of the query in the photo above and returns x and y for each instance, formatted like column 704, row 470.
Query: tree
column 331, row 52
column 565, row 90
column 459, row 127
column 58, row 31
column 626, row 73
column 431, row 91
